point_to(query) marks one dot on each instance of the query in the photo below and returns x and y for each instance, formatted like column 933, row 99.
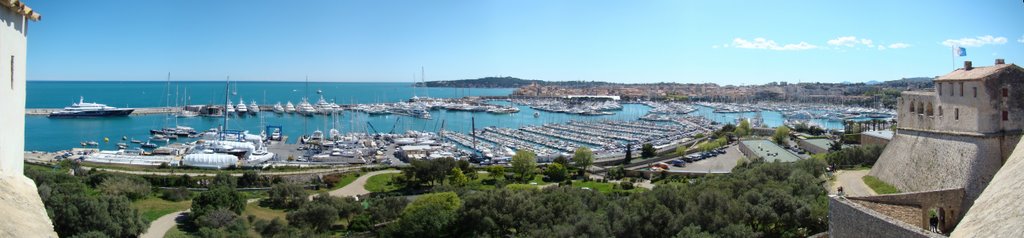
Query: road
column 357, row 187
column 161, row 225
column 852, row 182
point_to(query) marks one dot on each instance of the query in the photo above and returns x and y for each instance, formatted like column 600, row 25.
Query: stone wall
column 848, row 219
column 868, row 139
column 998, row 212
column 917, row 161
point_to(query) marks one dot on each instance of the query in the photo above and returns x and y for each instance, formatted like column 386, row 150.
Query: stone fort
column 950, row 142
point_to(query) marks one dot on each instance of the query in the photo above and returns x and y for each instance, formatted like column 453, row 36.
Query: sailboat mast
column 227, row 89
column 423, row 78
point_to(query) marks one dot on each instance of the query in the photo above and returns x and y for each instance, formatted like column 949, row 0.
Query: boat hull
column 85, row 114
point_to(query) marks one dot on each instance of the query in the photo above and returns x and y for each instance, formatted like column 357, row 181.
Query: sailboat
column 184, row 110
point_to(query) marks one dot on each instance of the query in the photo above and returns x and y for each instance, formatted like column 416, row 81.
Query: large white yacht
column 90, row 109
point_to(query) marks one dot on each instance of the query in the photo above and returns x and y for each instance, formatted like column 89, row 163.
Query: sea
column 46, row 134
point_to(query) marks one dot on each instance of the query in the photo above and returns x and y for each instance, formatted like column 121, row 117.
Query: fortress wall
column 917, row 161
column 848, row 219
column 997, row 212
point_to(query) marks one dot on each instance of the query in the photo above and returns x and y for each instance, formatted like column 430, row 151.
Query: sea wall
column 917, row 161
column 848, row 219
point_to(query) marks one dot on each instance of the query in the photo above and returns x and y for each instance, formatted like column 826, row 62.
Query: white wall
column 12, row 93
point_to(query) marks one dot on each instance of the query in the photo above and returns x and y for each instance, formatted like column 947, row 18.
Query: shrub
column 129, row 186
column 176, row 194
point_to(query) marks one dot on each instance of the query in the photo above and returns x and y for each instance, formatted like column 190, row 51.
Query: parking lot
column 721, row 163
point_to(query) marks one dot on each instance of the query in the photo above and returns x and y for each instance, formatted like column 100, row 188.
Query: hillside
column 506, row 82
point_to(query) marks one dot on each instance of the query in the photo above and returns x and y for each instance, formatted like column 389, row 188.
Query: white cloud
column 762, row 43
column 851, row 41
column 976, row 41
column 1021, row 40
column 881, row 47
column 898, row 45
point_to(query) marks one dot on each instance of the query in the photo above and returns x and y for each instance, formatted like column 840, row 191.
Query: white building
column 23, row 212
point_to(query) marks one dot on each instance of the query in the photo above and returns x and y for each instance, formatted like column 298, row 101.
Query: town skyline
column 689, row 42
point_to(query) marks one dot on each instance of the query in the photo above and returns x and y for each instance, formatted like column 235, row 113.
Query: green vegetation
column 153, row 208
column 286, row 196
column 856, row 156
column 648, row 151
column 430, row 215
column 383, row 183
column 524, row 164
column 336, row 181
column 879, row 186
column 781, row 135
column 743, row 129
column 556, row 172
column 583, row 157
column 75, row 206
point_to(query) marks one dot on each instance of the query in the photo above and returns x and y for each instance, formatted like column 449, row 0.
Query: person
column 841, row 191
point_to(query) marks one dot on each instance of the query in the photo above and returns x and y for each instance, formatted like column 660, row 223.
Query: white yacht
column 289, row 108
column 279, row 109
column 253, row 108
column 229, row 108
column 305, row 108
column 90, row 109
column 323, row 107
column 241, row 108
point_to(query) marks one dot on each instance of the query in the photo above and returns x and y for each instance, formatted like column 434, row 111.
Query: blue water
column 42, row 133
column 50, row 94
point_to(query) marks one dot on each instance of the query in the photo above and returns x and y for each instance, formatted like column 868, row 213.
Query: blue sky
column 725, row 42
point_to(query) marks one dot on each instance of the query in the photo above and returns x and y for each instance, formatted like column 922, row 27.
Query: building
column 766, row 150
column 24, row 213
column 949, row 144
column 410, row 152
column 815, row 146
column 881, row 138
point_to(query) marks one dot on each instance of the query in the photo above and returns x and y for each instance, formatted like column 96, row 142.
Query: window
column 975, row 91
column 911, row 107
column 920, row 108
column 956, row 113
column 940, row 89
column 931, row 109
column 961, row 89
column 940, row 111
column 1006, row 92
column 1006, row 115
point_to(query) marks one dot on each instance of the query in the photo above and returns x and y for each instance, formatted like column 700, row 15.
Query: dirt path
column 357, row 186
column 852, row 182
column 161, row 225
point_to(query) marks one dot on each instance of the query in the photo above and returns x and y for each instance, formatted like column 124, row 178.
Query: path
column 161, row 225
column 852, row 182
column 357, row 187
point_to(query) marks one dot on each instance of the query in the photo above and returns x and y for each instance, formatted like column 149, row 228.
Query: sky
column 726, row 42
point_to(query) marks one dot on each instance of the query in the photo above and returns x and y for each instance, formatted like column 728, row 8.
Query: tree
column 318, row 216
column 129, row 186
column 648, row 151
column 286, row 196
column 681, row 151
column 456, row 178
column 217, row 198
column 224, row 180
column 556, row 172
column 835, row 145
column 422, row 172
column 781, row 135
column 743, row 129
column 629, row 154
column 273, row 228
column 561, row 159
column 524, row 162
column 217, row 219
column 430, row 215
column 249, row 179
column 583, row 158
column 386, row 209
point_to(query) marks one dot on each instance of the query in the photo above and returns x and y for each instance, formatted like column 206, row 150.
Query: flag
column 960, row 51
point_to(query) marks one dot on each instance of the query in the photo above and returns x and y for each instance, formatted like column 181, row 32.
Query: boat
column 305, row 108
column 90, row 109
column 253, row 107
column 323, row 107
column 279, row 109
column 134, row 141
column 148, row 145
column 536, row 114
column 289, row 108
column 241, row 108
column 122, row 145
column 229, row 108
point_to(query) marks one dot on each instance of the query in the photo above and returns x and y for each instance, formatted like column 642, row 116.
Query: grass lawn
column 175, row 232
column 381, row 183
column 598, row 186
column 153, row 208
column 347, row 179
column 263, row 212
column 879, row 186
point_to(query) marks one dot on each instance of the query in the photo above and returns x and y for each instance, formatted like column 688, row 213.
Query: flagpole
column 952, row 55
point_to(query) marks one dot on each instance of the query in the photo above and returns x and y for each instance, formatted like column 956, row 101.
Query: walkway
column 852, row 182
column 357, row 187
column 161, row 225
